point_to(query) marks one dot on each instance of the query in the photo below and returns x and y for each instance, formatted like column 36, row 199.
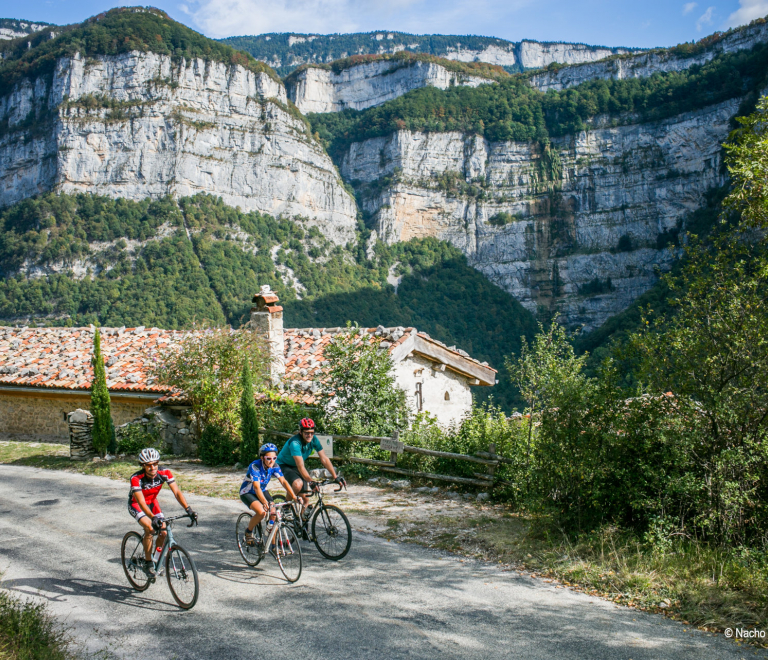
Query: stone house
column 45, row 373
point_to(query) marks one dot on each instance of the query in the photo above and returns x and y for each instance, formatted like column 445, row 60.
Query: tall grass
column 29, row 632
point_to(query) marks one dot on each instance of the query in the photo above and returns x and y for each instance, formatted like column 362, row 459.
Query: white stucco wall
column 435, row 385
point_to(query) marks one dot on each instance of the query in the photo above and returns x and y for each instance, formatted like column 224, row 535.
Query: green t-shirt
column 295, row 447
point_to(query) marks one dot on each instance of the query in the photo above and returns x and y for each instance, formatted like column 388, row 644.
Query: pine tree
column 249, row 423
column 100, row 405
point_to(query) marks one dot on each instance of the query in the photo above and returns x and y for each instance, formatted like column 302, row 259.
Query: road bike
column 324, row 524
column 180, row 569
column 280, row 540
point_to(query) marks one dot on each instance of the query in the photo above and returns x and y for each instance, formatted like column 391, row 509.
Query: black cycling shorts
column 250, row 498
column 291, row 474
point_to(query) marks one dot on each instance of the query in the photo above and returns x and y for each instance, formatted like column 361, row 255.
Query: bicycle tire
column 181, row 573
column 329, row 535
column 288, row 553
column 131, row 567
column 251, row 554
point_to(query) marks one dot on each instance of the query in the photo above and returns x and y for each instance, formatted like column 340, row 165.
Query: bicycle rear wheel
column 251, row 554
column 288, row 553
column 181, row 574
column 132, row 557
column 331, row 532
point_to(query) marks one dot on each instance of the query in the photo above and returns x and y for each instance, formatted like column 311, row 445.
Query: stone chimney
column 267, row 320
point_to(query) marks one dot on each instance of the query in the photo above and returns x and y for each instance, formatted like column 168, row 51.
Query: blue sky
column 606, row 22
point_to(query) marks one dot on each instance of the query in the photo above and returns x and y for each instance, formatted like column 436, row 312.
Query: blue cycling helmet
column 265, row 449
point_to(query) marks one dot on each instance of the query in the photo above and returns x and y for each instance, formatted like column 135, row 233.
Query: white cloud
column 224, row 18
column 705, row 18
column 748, row 11
column 688, row 7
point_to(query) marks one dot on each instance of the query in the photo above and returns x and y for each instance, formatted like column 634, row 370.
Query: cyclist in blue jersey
column 253, row 491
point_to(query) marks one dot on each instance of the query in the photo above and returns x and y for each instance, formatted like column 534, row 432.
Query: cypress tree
column 103, row 429
column 249, row 423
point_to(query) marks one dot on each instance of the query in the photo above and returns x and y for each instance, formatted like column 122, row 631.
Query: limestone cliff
column 580, row 228
column 142, row 125
column 368, row 84
column 13, row 29
column 641, row 65
column 534, row 54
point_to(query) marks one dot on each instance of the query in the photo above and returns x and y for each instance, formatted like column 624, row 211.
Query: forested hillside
column 79, row 259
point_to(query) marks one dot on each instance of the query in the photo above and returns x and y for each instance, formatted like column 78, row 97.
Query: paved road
column 60, row 540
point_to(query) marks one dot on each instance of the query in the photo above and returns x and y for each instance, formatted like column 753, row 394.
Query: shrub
column 625, row 244
column 249, row 423
column 218, row 446
column 133, row 438
column 28, row 631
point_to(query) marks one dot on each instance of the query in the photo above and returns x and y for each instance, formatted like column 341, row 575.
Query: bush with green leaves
column 207, row 366
column 360, row 396
column 218, row 446
column 28, row 631
column 249, row 422
column 131, row 439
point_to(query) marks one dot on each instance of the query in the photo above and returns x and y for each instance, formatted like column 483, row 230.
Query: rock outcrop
column 13, row 29
column 534, row 54
column 361, row 86
column 642, row 65
column 581, row 228
column 141, row 125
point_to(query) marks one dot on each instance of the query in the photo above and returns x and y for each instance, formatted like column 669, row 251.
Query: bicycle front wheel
column 288, row 553
column 251, row 554
column 132, row 557
column 181, row 573
column 331, row 532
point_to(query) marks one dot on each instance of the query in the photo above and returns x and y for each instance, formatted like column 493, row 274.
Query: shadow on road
column 56, row 590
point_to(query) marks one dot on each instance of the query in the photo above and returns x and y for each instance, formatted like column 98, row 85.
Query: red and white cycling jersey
column 140, row 482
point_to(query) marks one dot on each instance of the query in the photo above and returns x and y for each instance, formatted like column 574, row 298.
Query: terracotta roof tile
column 61, row 357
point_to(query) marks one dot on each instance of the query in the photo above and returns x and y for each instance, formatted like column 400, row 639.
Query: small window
column 447, row 396
column 419, row 398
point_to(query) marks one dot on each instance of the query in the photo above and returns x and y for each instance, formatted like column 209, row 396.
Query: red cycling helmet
column 306, row 423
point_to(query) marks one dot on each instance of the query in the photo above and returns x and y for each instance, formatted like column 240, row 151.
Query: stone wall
column 171, row 425
column 44, row 419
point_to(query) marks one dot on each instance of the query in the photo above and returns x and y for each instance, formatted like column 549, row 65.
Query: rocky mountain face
column 13, row 29
column 285, row 52
column 581, row 227
column 642, row 65
column 141, row 125
column 365, row 85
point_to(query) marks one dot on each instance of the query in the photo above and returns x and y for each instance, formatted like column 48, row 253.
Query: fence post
column 393, row 454
column 492, row 450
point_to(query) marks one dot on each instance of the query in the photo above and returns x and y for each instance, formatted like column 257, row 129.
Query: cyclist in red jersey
column 142, row 500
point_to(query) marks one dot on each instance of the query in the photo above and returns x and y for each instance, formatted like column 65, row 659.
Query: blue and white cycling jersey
column 258, row 474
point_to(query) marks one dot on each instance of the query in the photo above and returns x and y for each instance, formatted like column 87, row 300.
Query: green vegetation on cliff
column 512, row 110
column 79, row 259
column 117, row 31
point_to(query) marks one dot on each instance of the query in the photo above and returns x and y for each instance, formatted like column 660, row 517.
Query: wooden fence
column 489, row 460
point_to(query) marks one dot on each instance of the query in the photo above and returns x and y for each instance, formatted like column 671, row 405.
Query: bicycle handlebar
column 192, row 521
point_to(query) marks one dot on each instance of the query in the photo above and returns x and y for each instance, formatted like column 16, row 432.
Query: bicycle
column 282, row 541
column 332, row 535
column 180, row 569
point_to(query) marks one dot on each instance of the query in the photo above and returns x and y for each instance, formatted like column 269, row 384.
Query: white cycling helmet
column 149, row 455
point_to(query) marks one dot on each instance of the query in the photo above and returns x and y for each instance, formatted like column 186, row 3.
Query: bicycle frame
column 169, row 540
column 278, row 524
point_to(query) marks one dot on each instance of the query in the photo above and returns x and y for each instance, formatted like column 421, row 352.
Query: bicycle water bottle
column 158, row 552
column 270, row 525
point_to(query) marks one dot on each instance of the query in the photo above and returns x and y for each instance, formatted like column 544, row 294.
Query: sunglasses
column 269, row 458
column 151, row 465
